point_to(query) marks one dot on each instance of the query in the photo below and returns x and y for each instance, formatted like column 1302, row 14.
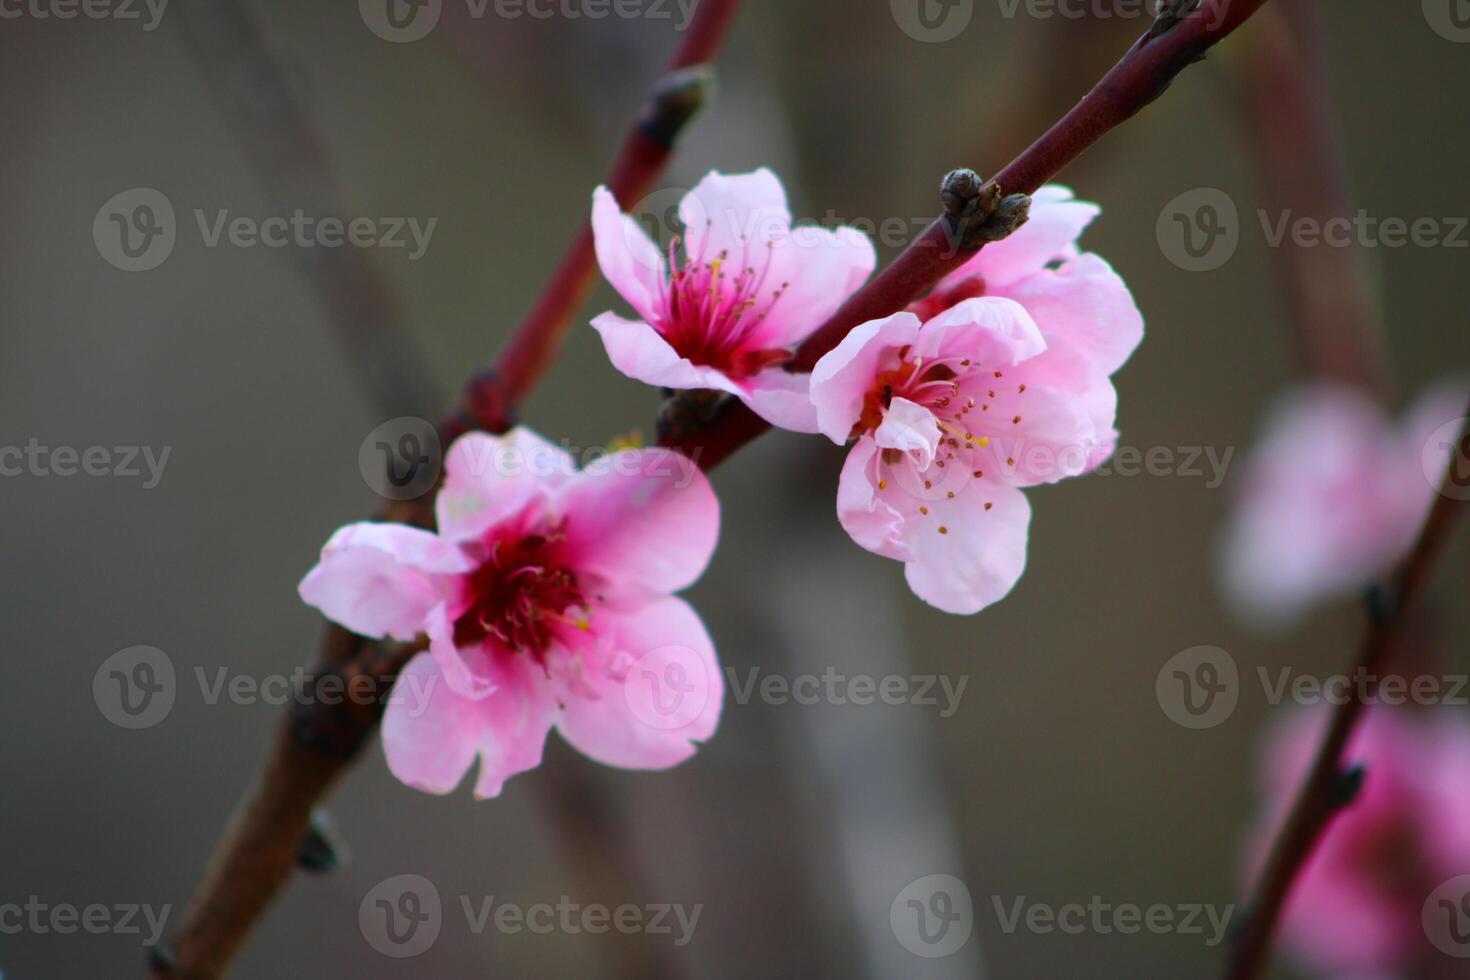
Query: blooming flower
column 546, row 596
column 748, row 290
column 1330, row 497
column 1006, row 385
column 1358, row 905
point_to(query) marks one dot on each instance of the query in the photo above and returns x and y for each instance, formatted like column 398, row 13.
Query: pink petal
column 382, row 579
column 735, row 214
column 991, row 330
column 1083, row 305
column 651, row 690
column 1323, row 506
column 1066, row 417
column 630, row 260
column 845, row 374
column 863, row 513
column 641, row 353
column 488, row 480
column 980, row 555
column 1051, row 233
column 431, row 734
column 467, row 672
column 641, row 522
column 909, row 428
column 782, row 399
column 820, row 268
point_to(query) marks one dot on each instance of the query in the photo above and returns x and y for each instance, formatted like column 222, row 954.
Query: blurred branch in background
column 1334, row 312
column 1329, row 787
column 883, row 841
column 317, row 741
column 254, row 90
column 1180, row 37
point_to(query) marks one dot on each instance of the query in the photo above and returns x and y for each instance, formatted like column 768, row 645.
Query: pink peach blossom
column 1006, row 385
column 749, row 289
column 1330, row 497
column 1358, row 904
column 547, row 598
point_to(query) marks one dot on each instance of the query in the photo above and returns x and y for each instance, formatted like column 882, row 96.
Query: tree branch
column 1328, row 787
column 317, row 742
column 1179, row 39
column 1338, row 331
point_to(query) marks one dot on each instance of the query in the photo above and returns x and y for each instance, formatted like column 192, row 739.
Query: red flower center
column 519, row 595
column 711, row 316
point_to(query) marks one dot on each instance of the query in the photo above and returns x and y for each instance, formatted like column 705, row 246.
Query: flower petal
column 736, row 214
column 651, row 690
column 431, row 734
column 846, row 373
column 864, row 514
column 1083, row 305
column 630, row 260
column 819, row 269
column 991, row 330
column 382, row 579
column 1051, row 233
column 909, row 428
column 641, row 353
column 782, row 398
column 978, row 556
column 488, row 480
column 641, row 521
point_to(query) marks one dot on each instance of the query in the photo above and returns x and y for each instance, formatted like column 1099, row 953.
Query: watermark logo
column 1446, row 917
column 1199, row 230
column 933, row 916
column 38, row 917
column 932, row 21
column 1198, row 687
column 135, row 688
column 668, row 688
column 135, row 230
column 148, row 12
column 400, row 21
column 401, row 917
column 1104, row 918
column 1446, row 459
column 401, row 459
column 1450, row 19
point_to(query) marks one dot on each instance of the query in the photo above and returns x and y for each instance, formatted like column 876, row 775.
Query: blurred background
column 1056, row 779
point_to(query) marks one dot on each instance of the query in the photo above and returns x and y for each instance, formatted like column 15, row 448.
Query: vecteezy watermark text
column 148, row 12
column 404, row 21
column 136, row 229
column 403, row 916
column 124, row 462
column 1101, row 917
column 1200, row 230
column 37, row 917
column 1201, row 687
column 137, row 687
column 835, row 688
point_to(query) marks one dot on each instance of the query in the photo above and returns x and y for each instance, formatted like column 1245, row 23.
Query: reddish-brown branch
column 1328, row 787
column 1140, row 77
column 318, row 741
column 1334, row 315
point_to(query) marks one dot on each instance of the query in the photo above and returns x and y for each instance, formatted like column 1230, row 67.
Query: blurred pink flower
column 1330, row 497
column 1357, row 906
column 542, row 589
column 1008, row 387
column 749, row 290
